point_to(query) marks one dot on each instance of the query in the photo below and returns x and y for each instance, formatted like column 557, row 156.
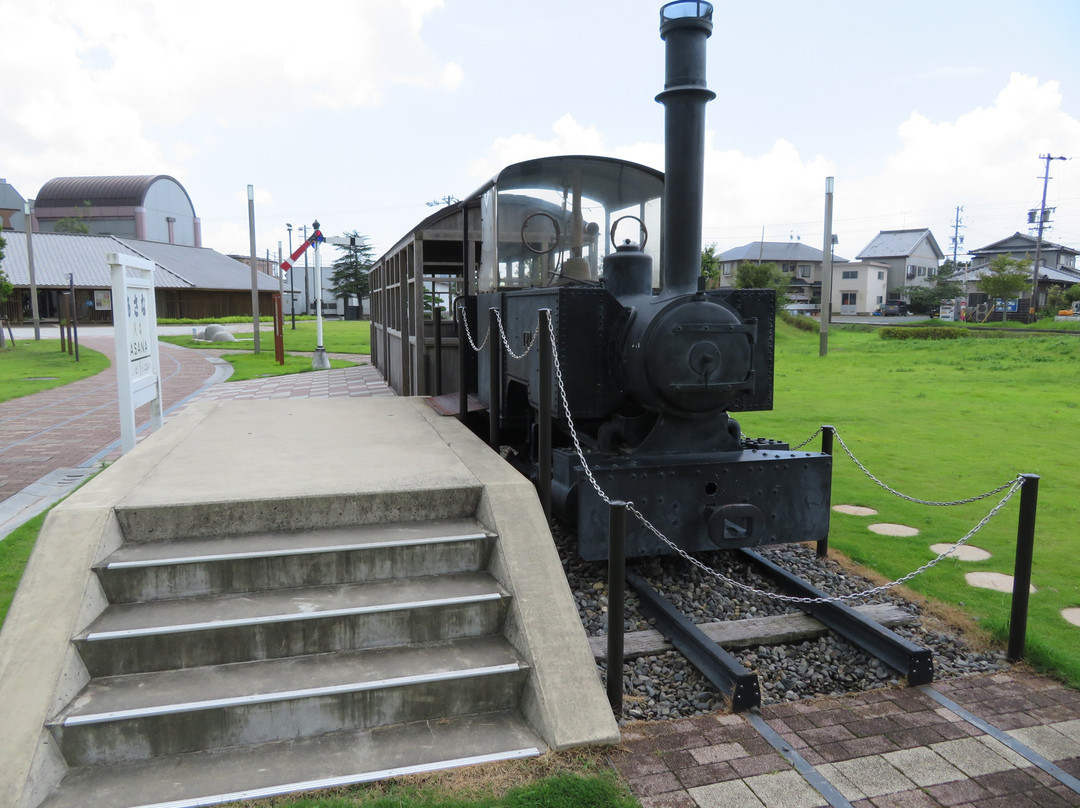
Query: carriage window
column 546, row 222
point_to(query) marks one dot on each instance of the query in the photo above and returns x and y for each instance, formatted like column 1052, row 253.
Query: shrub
column 800, row 321
column 923, row 332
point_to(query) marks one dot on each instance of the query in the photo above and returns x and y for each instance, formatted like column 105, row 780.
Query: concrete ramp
column 274, row 596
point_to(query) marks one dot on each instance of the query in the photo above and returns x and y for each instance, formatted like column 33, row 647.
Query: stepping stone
column 997, row 581
column 855, row 510
column 1071, row 615
column 890, row 529
column 964, row 553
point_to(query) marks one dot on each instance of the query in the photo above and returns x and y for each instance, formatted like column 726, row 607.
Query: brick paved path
column 880, row 749
column 67, row 426
column 78, row 426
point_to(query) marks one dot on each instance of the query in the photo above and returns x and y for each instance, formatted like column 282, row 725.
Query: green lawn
column 30, row 366
column 253, row 366
column 339, row 336
column 945, row 421
column 14, row 553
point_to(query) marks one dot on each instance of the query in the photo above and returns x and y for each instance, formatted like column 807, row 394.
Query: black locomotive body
column 650, row 364
column 650, row 381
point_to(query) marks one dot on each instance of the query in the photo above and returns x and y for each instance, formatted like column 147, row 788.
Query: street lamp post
column 28, row 209
column 292, row 281
column 307, row 294
column 254, row 267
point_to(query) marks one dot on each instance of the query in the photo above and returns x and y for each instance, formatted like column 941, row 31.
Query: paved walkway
column 959, row 743
column 51, row 441
column 900, row 748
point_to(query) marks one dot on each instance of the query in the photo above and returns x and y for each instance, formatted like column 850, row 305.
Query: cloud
column 986, row 160
column 106, row 75
column 570, row 137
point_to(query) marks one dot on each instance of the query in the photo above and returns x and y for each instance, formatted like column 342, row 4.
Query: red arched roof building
column 148, row 208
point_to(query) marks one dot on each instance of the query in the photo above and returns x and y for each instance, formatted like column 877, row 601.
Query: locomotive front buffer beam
column 701, row 502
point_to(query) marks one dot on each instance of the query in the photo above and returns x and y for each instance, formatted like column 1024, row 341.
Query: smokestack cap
column 697, row 13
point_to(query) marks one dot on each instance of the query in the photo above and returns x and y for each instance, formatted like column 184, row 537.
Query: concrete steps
column 154, row 570
column 283, row 661
column 323, row 761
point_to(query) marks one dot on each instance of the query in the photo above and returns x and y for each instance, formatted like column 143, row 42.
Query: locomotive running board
column 914, row 662
column 722, row 669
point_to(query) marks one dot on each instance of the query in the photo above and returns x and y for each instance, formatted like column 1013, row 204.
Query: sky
column 358, row 113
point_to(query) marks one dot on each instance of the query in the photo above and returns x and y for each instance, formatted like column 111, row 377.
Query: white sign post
column 138, row 370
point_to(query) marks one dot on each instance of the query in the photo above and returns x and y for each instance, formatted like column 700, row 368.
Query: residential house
column 1057, row 264
column 859, row 287
column 800, row 262
column 912, row 256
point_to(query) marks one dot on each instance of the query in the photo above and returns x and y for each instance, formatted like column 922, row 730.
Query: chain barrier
column 916, row 500
column 468, row 333
column 506, row 342
column 1013, row 486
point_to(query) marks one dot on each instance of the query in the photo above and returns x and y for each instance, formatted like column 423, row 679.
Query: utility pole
column 1038, row 239
column 957, row 240
column 826, row 271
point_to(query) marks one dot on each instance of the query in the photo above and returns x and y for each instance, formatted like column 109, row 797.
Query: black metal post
column 74, row 316
column 60, row 321
column 827, row 432
column 1025, row 546
column 494, row 388
column 543, row 427
column 438, row 350
column 616, row 604
column 463, row 345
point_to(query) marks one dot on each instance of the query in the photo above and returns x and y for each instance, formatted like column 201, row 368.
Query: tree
column 74, row 224
column 763, row 276
column 1006, row 278
column 710, row 267
column 351, row 270
column 925, row 299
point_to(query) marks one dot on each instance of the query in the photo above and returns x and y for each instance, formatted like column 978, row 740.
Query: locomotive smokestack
column 684, row 27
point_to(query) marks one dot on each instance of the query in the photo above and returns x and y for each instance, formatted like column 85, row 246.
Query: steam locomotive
column 651, row 364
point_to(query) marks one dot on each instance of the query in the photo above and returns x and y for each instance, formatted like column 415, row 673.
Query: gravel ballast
column 666, row 686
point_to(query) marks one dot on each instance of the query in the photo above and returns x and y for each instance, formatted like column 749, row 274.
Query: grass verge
column 339, row 336
column 31, row 366
column 253, row 366
column 15, row 551
column 576, row 779
column 943, row 421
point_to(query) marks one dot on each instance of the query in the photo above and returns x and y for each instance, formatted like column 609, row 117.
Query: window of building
column 881, row 275
column 804, row 270
column 880, row 300
column 788, row 267
column 849, row 274
column 847, row 298
column 922, row 272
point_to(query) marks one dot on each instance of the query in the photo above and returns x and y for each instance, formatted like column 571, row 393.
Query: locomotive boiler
column 651, row 364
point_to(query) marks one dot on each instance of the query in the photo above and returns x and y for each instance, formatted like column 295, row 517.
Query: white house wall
column 870, row 287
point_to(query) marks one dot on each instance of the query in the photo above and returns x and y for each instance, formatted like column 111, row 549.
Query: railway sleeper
column 911, row 660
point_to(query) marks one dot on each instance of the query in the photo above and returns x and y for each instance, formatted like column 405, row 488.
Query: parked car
column 894, row 308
